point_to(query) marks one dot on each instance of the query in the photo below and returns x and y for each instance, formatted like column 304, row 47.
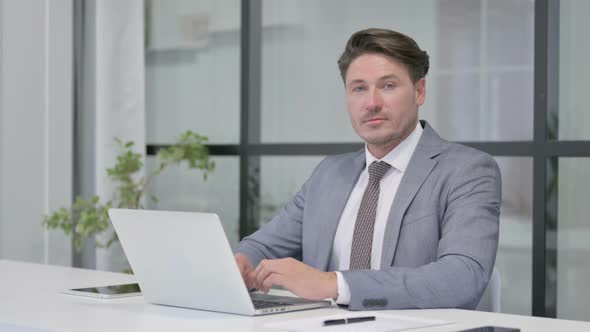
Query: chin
column 378, row 140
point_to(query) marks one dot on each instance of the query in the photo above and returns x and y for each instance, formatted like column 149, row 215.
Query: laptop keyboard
column 262, row 304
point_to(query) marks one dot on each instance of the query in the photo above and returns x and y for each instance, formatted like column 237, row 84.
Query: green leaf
column 87, row 218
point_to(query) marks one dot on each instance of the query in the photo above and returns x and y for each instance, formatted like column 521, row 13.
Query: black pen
column 348, row 320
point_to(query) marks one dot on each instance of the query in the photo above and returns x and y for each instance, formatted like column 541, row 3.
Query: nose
column 374, row 101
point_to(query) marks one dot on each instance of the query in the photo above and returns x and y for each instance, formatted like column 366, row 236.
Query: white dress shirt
column 398, row 158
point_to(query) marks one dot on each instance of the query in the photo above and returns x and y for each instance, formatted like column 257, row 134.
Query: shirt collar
column 399, row 157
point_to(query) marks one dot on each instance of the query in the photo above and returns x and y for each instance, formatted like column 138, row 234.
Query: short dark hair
column 386, row 42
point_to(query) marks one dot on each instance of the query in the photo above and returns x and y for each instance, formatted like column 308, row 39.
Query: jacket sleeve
column 465, row 256
column 282, row 236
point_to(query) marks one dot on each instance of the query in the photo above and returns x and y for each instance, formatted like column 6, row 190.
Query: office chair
column 490, row 300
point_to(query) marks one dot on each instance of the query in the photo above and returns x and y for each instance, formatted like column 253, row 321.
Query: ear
column 420, row 91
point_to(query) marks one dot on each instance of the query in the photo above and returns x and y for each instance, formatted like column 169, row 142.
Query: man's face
column 382, row 101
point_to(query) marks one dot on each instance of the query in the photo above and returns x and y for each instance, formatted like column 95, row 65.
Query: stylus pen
column 348, row 320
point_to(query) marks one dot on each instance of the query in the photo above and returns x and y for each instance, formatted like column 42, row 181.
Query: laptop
column 184, row 259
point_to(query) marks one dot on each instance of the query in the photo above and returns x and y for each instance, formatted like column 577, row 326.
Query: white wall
column 35, row 127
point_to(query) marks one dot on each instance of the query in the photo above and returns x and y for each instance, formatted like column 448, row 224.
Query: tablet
column 106, row 292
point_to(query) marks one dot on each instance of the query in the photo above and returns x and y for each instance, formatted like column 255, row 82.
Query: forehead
column 373, row 66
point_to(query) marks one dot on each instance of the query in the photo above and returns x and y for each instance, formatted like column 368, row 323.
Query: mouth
column 374, row 120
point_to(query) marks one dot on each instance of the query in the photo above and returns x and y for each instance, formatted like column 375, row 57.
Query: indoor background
column 259, row 79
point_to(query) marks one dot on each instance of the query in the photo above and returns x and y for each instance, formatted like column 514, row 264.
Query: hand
column 300, row 279
column 246, row 270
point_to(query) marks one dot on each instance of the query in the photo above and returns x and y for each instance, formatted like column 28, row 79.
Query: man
column 411, row 221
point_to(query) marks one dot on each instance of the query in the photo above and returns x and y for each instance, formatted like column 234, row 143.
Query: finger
column 272, row 279
column 243, row 264
column 267, row 283
column 262, row 271
column 250, row 279
column 242, row 269
column 247, row 275
column 261, row 265
column 260, row 277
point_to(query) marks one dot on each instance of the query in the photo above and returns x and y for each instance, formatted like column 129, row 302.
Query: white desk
column 29, row 296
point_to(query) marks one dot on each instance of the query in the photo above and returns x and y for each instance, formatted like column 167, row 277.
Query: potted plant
column 87, row 218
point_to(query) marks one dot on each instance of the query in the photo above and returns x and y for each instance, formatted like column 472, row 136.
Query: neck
column 381, row 150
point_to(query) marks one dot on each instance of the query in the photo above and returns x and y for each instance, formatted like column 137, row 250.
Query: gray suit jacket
column 441, row 236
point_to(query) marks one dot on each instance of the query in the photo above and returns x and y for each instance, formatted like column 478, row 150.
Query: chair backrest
column 490, row 300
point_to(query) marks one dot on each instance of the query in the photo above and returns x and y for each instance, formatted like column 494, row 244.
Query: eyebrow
column 389, row 77
column 357, row 81
column 383, row 78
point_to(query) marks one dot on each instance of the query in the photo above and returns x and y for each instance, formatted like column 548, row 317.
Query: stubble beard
column 392, row 140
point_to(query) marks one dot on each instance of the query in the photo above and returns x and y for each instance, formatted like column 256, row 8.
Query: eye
column 389, row 85
column 358, row 88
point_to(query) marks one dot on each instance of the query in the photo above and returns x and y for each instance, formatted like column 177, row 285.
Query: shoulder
column 459, row 154
column 341, row 160
column 450, row 154
column 458, row 161
column 336, row 167
column 466, row 167
column 344, row 157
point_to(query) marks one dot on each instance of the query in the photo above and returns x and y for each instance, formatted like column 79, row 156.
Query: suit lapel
column 419, row 167
column 344, row 181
